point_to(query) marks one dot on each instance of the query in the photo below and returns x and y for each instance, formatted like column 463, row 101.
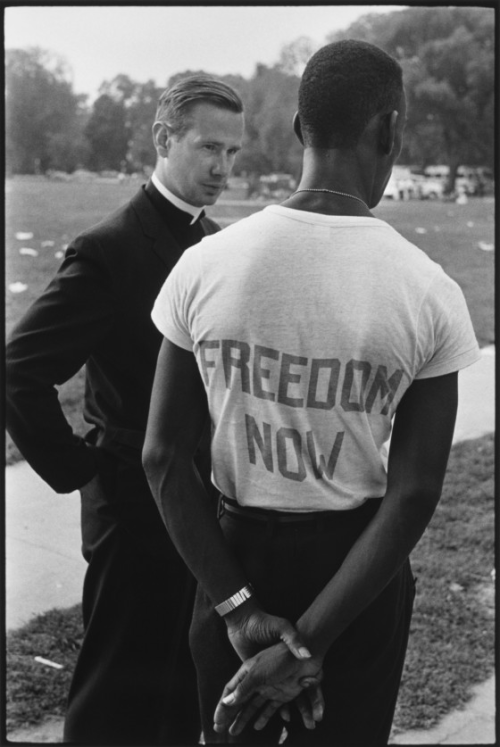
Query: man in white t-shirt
column 306, row 328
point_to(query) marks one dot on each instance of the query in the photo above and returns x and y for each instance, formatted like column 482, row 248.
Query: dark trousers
column 288, row 565
column 134, row 681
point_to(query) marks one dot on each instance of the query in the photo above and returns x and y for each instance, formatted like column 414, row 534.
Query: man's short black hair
column 343, row 86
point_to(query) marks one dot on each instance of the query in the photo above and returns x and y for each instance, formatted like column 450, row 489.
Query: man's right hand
column 265, row 683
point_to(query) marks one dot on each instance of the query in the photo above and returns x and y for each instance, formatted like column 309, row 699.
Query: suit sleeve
column 50, row 344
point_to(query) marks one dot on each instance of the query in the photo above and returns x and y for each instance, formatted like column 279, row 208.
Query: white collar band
column 184, row 206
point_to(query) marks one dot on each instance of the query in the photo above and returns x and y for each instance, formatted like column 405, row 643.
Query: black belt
column 268, row 516
column 264, row 516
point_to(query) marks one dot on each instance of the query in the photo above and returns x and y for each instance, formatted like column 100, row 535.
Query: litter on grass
column 17, row 287
column 470, row 224
column 24, row 235
column 48, row 662
column 421, row 230
column 48, row 243
column 59, row 255
column 27, row 250
column 485, row 246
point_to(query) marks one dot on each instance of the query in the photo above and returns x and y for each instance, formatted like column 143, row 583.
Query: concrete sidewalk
column 44, row 567
column 473, row 725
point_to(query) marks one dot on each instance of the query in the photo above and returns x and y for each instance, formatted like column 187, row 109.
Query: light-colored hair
column 176, row 103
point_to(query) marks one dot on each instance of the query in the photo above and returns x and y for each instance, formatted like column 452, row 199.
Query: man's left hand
column 256, row 630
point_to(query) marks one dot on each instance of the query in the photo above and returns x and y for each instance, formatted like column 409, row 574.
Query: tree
column 139, row 101
column 270, row 100
column 447, row 55
column 295, row 56
column 107, row 134
column 44, row 118
column 141, row 112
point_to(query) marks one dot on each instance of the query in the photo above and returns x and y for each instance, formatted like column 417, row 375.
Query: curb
column 473, row 724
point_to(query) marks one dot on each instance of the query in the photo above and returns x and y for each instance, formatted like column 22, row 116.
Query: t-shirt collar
column 185, row 206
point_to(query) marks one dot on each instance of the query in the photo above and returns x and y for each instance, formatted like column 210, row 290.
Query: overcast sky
column 156, row 42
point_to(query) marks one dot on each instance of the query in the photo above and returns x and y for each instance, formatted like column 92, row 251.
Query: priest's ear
column 297, row 128
column 161, row 138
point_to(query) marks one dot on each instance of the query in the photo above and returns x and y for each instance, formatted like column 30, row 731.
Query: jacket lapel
column 163, row 242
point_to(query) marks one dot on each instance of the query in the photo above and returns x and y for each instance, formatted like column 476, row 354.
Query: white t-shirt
column 307, row 330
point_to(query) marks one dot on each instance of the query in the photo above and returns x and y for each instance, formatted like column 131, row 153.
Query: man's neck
column 334, row 183
column 177, row 201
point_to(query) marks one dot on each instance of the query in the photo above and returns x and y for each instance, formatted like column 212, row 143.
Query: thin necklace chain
column 334, row 192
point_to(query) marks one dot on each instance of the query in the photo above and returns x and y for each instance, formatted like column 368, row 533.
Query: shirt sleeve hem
column 171, row 333
column 177, row 339
column 455, row 364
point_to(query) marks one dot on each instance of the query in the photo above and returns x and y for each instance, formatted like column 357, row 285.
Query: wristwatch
column 228, row 605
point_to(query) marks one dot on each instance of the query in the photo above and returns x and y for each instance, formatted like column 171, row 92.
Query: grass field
column 55, row 212
column 452, row 641
column 452, row 635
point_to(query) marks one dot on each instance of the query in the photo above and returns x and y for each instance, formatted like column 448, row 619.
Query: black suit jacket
column 96, row 311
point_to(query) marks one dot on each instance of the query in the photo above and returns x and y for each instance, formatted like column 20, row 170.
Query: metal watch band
column 230, row 604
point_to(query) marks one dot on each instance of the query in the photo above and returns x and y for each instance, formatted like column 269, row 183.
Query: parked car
column 277, row 186
column 485, row 181
column 466, row 181
column 430, row 188
column 401, row 185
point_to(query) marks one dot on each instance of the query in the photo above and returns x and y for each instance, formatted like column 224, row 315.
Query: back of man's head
column 343, row 86
column 176, row 103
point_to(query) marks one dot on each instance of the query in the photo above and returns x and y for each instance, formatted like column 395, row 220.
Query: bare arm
column 418, row 457
column 178, row 413
column 419, row 452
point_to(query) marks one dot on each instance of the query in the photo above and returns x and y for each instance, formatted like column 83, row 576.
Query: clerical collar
column 184, row 206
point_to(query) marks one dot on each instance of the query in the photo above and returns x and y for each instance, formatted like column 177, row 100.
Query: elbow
column 153, row 457
column 158, row 458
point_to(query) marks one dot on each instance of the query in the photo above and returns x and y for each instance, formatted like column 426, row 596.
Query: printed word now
column 292, row 451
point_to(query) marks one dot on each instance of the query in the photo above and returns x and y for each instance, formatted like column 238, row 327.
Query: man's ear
column 297, row 128
column 388, row 132
column 161, row 137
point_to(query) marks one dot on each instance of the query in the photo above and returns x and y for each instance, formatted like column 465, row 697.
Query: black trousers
column 134, row 681
column 288, row 565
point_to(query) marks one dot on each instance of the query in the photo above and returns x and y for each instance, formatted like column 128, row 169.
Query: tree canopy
column 44, row 118
column 447, row 56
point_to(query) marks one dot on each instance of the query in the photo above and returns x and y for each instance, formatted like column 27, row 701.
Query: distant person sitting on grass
column 307, row 327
